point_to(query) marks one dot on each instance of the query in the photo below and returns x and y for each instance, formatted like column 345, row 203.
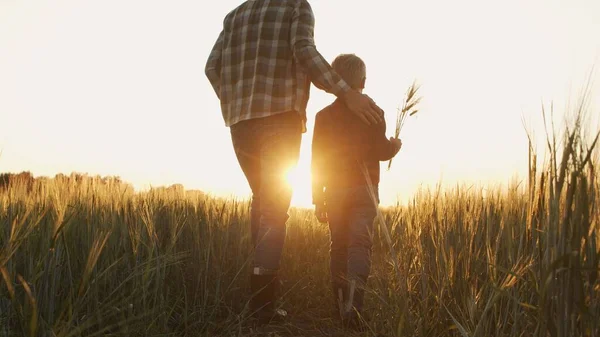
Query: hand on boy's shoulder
column 363, row 107
column 379, row 111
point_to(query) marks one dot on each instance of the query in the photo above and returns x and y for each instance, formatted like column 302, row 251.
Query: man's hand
column 321, row 213
column 396, row 144
column 363, row 107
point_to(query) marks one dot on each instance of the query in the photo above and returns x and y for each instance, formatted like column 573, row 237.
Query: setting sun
column 299, row 180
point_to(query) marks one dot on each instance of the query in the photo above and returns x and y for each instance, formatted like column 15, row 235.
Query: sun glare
column 299, row 181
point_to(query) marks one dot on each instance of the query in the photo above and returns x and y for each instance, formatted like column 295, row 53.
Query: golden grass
column 95, row 259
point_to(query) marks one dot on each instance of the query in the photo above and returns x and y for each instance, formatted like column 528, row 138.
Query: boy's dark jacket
column 341, row 142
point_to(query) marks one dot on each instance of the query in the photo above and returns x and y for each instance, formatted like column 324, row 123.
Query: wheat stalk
column 408, row 109
column 382, row 224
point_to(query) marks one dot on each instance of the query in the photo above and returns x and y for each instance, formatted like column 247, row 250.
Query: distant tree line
column 23, row 179
column 27, row 180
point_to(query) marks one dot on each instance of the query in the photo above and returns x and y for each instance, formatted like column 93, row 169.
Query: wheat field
column 85, row 258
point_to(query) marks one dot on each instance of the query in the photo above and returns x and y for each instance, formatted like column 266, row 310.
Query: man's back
column 258, row 71
column 265, row 59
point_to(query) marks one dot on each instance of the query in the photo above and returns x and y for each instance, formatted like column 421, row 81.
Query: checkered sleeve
column 306, row 54
column 213, row 65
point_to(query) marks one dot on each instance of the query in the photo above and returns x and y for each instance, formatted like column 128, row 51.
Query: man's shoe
column 264, row 294
column 270, row 317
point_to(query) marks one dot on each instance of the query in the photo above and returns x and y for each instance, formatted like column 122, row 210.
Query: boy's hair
column 351, row 68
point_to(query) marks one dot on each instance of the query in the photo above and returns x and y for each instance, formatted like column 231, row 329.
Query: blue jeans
column 351, row 212
column 266, row 148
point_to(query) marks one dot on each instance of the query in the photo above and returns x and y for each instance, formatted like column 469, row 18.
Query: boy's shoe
column 354, row 321
column 340, row 297
column 353, row 317
column 264, row 290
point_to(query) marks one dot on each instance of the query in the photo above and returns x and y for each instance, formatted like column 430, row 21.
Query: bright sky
column 117, row 87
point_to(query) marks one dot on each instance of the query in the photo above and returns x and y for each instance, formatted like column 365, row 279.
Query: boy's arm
column 384, row 148
column 213, row 65
column 317, row 165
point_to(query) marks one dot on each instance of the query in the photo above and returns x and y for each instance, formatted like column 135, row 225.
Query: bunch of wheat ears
column 409, row 108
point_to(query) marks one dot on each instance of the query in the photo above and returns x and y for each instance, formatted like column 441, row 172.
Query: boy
column 342, row 149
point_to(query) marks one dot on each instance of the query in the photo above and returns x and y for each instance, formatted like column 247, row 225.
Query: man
column 261, row 67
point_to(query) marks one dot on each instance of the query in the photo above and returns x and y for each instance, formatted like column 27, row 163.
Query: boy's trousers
column 351, row 212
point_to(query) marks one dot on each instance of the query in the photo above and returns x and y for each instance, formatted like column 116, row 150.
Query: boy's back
column 341, row 144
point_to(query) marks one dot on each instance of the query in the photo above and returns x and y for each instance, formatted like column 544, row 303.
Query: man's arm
column 320, row 71
column 213, row 65
column 305, row 52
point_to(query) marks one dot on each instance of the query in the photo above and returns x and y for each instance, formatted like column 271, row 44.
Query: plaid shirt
column 265, row 58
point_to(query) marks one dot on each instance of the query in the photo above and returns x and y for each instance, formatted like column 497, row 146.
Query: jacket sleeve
column 305, row 52
column 383, row 146
column 213, row 65
column 318, row 162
